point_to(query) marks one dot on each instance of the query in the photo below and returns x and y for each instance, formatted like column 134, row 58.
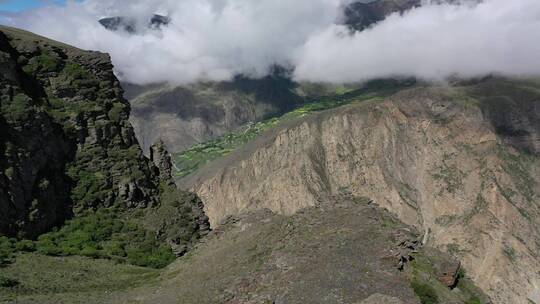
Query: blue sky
column 22, row 5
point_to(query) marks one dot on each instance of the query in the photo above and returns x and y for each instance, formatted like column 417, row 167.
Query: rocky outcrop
column 447, row 273
column 162, row 160
column 435, row 157
column 67, row 147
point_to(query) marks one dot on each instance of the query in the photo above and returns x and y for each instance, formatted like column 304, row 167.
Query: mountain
column 343, row 250
column 185, row 115
column 69, row 159
column 182, row 116
column 391, row 191
column 131, row 25
column 458, row 163
column 360, row 15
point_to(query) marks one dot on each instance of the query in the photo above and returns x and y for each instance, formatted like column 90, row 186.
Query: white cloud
column 215, row 39
column 433, row 42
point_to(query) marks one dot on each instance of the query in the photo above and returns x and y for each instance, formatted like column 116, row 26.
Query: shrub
column 473, row 300
column 7, row 249
column 8, row 282
column 74, row 71
column 104, row 235
column 25, row 245
column 115, row 114
column 19, row 108
column 425, row 292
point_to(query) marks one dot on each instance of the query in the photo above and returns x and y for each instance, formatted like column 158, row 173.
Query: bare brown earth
column 458, row 163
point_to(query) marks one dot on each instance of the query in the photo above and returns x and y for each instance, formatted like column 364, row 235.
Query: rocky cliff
column 460, row 163
column 66, row 145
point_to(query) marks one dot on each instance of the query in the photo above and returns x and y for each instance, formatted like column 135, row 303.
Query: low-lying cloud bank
column 216, row 39
column 434, row 41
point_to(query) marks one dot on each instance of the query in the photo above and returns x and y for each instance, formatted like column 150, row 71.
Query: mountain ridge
column 410, row 156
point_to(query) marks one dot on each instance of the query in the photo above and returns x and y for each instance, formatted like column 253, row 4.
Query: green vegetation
column 73, row 71
column 510, row 253
column 47, row 61
column 116, row 112
column 104, row 235
column 190, row 160
column 7, row 249
column 7, row 282
column 430, row 290
column 517, row 166
column 17, row 109
column 176, row 209
column 468, row 289
column 425, row 292
column 451, row 176
column 46, row 279
column 92, row 168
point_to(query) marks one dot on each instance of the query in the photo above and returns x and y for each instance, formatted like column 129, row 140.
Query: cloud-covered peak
column 217, row 39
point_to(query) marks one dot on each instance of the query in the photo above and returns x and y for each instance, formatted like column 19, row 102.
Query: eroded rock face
column 67, row 147
column 433, row 156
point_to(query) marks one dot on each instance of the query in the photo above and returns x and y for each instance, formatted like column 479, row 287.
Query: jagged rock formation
column 162, row 160
column 460, row 163
column 66, row 145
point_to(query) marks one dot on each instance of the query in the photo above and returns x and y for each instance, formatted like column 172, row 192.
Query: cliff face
column 34, row 189
column 66, row 146
column 461, row 164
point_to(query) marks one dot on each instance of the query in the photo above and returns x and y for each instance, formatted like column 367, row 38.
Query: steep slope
column 459, row 163
column 67, row 136
column 67, row 150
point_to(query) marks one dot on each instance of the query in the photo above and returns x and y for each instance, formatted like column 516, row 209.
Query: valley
column 249, row 187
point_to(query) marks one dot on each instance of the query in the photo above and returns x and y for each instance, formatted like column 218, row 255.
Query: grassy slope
column 44, row 279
